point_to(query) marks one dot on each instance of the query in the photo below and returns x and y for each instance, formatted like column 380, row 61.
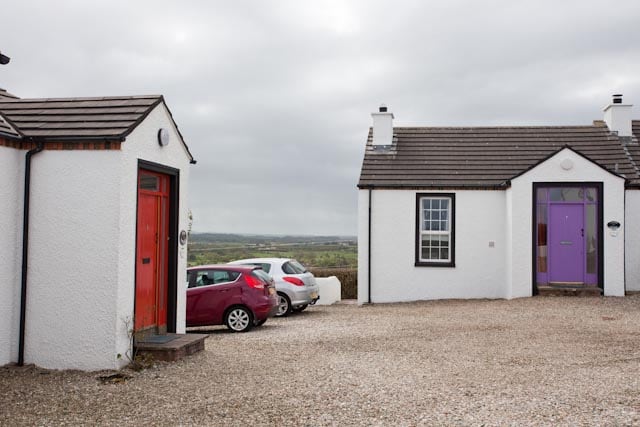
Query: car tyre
column 284, row 305
column 300, row 308
column 239, row 319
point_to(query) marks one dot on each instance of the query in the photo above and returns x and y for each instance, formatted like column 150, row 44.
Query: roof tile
column 486, row 157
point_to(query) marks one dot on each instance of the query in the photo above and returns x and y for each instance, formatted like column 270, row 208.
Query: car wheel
column 284, row 305
column 300, row 308
column 239, row 319
column 260, row 322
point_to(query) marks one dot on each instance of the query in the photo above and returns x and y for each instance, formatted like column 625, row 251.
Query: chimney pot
column 617, row 98
column 383, row 108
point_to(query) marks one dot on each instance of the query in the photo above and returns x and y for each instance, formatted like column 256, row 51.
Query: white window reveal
column 435, row 229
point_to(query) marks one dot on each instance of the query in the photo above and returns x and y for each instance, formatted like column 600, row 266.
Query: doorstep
column 170, row 347
column 578, row 291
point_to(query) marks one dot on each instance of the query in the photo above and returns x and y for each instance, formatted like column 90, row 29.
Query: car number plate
column 314, row 295
column 272, row 291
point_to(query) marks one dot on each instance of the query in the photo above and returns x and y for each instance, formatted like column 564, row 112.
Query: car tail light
column 294, row 280
column 254, row 282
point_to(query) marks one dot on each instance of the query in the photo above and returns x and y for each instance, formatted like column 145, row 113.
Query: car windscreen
column 293, row 267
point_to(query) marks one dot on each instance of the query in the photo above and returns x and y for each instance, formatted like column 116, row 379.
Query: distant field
column 312, row 251
column 323, row 255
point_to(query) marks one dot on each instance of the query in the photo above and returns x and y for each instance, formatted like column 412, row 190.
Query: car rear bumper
column 304, row 295
column 266, row 310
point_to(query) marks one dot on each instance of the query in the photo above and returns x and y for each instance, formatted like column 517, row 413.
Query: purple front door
column 566, row 244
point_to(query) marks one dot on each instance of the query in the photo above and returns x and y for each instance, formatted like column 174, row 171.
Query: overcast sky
column 274, row 97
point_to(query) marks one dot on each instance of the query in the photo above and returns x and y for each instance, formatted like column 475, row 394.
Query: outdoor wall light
column 613, row 225
column 163, row 137
column 4, row 59
column 183, row 237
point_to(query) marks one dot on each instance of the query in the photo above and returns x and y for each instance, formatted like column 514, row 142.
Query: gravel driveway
column 542, row 361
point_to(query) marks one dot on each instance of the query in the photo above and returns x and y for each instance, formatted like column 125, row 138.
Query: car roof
column 259, row 260
column 222, row 267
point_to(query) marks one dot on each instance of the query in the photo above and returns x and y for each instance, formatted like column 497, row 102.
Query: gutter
column 25, row 247
column 369, row 252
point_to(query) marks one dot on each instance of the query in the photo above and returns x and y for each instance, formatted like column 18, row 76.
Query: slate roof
column 7, row 130
column 110, row 118
column 5, row 94
column 487, row 157
column 77, row 119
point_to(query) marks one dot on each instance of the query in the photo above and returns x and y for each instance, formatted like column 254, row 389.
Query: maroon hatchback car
column 237, row 296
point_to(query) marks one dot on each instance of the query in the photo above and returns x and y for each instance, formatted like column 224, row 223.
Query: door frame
column 172, row 244
column 599, row 186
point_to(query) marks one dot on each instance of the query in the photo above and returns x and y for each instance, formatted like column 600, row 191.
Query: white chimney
column 382, row 127
column 618, row 116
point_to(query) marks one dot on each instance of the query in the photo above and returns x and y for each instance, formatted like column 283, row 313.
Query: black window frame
column 452, row 231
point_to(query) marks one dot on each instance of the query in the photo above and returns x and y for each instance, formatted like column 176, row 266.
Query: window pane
column 148, row 182
column 542, row 238
column 566, row 194
column 592, row 240
column 591, row 195
column 435, row 218
column 542, row 194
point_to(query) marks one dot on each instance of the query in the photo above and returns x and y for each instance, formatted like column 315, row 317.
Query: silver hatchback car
column 296, row 287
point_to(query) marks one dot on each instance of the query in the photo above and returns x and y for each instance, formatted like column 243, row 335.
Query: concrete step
column 179, row 346
column 577, row 291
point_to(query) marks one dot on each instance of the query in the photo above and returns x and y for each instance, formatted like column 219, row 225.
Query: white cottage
column 499, row 212
column 92, row 219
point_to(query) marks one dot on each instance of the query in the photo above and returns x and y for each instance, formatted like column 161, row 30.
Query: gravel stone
column 530, row 361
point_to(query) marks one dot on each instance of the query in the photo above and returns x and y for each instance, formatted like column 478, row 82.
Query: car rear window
column 266, row 267
column 262, row 275
column 293, row 267
column 214, row 277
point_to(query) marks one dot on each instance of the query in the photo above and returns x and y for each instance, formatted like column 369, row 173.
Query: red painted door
column 151, row 253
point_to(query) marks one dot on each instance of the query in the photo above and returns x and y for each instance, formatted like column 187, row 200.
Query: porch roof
column 49, row 119
column 487, row 157
column 77, row 119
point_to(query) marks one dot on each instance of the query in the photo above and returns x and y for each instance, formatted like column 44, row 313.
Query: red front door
column 151, row 253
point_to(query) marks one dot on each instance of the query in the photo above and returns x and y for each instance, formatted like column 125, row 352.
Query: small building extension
column 92, row 219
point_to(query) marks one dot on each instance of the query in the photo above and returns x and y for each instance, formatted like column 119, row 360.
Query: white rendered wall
column 632, row 240
column 11, row 190
column 583, row 170
column 142, row 144
column 329, row 289
column 479, row 270
column 73, row 259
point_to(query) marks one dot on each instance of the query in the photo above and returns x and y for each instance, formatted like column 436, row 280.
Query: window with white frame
column 435, row 229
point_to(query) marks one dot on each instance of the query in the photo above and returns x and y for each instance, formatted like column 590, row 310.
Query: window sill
column 435, row 264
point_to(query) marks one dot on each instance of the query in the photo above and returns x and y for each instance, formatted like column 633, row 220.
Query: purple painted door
column 566, row 243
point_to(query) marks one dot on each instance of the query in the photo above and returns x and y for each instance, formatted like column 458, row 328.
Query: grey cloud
column 273, row 97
